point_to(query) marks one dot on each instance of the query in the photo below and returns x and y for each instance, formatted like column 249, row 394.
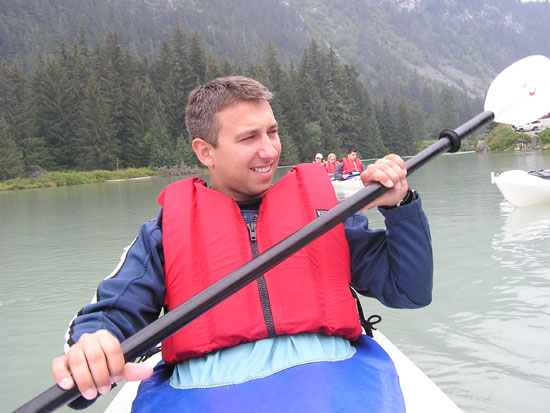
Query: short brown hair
column 210, row 98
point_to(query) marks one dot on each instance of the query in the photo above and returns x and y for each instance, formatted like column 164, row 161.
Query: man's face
column 352, row 156
column 318, row 160
column 245, row 160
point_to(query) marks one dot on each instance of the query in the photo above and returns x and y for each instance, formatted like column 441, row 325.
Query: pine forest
column 97, row 105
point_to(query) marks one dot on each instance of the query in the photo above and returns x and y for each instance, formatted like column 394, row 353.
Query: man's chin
column 260, row 190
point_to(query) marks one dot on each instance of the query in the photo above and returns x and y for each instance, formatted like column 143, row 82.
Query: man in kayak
column 348, row 166
column 301, row 312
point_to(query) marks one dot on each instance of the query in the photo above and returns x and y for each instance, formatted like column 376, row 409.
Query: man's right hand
column 94, row 363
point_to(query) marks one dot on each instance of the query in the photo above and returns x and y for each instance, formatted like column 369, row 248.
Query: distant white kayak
column 420, row 394
column 348, row 186
column 522, row 188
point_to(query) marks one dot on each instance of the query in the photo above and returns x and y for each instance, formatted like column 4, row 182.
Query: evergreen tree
column 52, row 100
column 11, row 158
column 363, row 126
column 35, row 152
column 313, row 109
column 448, row 115
column 370, row 144
column 139, row 114
column 313, row 62
column 4, row 73
column 312, row 140
column 115, row 74
column 227, row 69
column 406, row 136
column 429, row 103
column 81, row 43
column 13, row 102
column 340, row 105
column 259, row 73
column 78, row 67
column 177, row 86
column 275, row 73
column 212, row 69
column 162, row 149
column 387, row 127
column 19, row 118
column 198, row 59
column 290, row 117
column 97, row 144
column 418, row 123
column 289, row 153
column 161, row 67
column 185, row 152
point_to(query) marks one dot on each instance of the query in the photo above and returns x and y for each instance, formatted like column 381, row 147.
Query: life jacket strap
column 366, row 323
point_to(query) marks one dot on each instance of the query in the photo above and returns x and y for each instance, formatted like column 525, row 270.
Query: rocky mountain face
column 462, row 44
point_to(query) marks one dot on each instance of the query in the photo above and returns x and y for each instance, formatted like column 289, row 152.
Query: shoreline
column 139, row 178
column 59, row 179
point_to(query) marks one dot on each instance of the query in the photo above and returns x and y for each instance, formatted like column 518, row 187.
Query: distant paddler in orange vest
column 319, row 159
column 331, row 164
column 348, row 166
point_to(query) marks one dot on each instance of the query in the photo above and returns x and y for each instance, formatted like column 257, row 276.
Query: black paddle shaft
column 165, row 326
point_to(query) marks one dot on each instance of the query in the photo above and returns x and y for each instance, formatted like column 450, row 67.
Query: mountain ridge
column 460, row 44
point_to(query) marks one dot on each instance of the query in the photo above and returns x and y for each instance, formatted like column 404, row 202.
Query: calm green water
column 485, row 339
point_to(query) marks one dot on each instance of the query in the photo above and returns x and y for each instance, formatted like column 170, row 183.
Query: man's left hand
column 391, row 172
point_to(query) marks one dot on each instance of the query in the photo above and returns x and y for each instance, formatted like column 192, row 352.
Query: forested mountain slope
column 99, row 84
column 237, row 30
column 463, row 43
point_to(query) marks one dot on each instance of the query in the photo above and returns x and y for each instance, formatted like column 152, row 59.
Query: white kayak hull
column 521, row 188
column 349, row 186
column 420, row 394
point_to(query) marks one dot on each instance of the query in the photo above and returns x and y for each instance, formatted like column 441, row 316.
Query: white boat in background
column 522, row 188
column 349, row 186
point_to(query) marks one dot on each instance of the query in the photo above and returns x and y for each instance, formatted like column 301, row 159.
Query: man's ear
column 204, row 151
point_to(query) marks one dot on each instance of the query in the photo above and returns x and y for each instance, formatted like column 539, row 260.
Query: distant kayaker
column 348, row 166
column 319, row 159
column 331, row 164
column 299, row 314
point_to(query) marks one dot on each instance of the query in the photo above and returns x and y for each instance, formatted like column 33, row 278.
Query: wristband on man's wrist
column 408, row 198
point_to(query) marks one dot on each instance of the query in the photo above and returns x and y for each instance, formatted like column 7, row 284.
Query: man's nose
column 268, row 147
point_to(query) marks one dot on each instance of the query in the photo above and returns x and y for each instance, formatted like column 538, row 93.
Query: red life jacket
column 331, row 167
column 205, row 238
column 352, row 166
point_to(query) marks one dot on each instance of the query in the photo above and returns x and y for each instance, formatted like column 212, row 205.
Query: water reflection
column 521, row 310
column 523, row 239
column 522, row 249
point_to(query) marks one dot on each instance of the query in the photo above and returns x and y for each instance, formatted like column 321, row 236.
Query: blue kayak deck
column 367, row 381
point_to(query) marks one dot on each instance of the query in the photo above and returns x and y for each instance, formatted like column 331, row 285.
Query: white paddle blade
column 521, row 93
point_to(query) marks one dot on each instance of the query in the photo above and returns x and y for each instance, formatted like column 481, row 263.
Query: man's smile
column 262, row 169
